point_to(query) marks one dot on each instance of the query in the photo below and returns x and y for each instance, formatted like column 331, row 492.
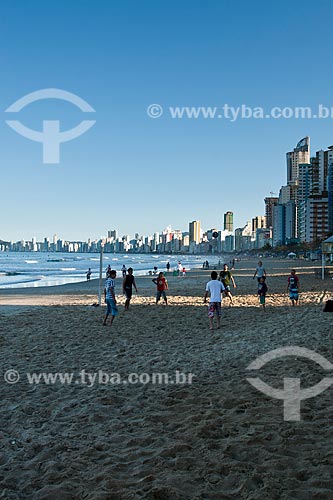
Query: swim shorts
column 111, row 307
column 214, row 307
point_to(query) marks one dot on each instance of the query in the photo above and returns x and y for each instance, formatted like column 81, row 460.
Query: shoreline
column 87, row 292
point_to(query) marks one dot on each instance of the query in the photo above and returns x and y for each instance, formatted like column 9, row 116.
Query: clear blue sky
column 138, row 174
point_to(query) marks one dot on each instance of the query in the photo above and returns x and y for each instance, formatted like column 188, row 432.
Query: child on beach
column 227, row 278
column 262, row 290
column 162, row 285
column 110, row 297
column 214, row 288
column 293, row 287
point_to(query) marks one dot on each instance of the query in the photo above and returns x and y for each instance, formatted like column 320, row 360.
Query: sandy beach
column 215, row 438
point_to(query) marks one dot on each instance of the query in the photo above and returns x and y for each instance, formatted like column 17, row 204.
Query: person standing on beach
column 88, row 273
column 128, row 283
column 162, row 286
column 168, row 267
column 179, row 269
column 260, row 271
column 227, row 278
column 110, row 297
column 262, row 290
column 214, row 288
column 293, row 287
column 123, row 270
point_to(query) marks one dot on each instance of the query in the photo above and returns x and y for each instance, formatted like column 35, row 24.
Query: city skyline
column 302, row 213
column 135, row 170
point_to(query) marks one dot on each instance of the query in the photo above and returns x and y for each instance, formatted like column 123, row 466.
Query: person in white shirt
column 260, row 271
column 214, row 288
column 179, row 269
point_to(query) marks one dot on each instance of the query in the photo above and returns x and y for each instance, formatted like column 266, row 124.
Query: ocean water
column 33, row 269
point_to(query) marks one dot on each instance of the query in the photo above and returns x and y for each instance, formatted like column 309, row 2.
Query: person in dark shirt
column 128, row 283
column 262, row 290
column 293, row 287
column 226, row 278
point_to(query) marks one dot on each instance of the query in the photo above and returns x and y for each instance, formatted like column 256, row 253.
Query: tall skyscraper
column 195, row 231
column 330, row 190
column 113, row 234
column 300, row 154
column 228, row 221
column 258, row 222
column 270, row 203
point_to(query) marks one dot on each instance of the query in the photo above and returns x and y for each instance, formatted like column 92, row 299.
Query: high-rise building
column 300, row 154
column 228, row 221
column 279, row 224
column 195, row 231
column 290, row 222
column 270, row 203
column 258, row 222
column 313, row 198
column 316, row 222
column 243, row 237
column 330, row 190
column 284, row 195
column 113, row 234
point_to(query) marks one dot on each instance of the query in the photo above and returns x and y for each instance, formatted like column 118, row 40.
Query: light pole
column 100, row 283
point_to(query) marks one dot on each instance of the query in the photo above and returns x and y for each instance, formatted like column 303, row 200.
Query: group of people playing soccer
column 218, row 287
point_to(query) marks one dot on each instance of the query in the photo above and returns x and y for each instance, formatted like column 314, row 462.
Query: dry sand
column 217, row 438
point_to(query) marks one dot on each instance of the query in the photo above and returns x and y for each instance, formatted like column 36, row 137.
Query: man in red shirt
column 162, row 285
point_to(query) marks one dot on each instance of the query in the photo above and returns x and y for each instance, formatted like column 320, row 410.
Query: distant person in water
column 108, row 270
column 168, row 267
column 88, row 273
column 128, row 283
column 123, row 270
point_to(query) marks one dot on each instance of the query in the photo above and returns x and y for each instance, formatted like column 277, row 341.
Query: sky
column 135, row 173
